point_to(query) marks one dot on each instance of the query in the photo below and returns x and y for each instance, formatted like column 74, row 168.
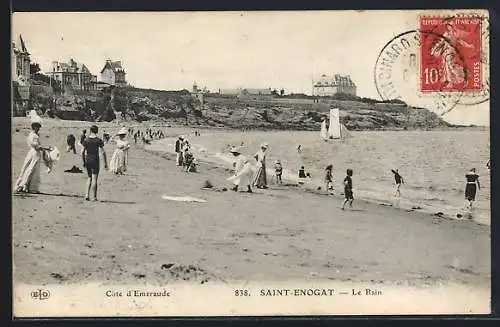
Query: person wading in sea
column 471, row 187
column 399, row 180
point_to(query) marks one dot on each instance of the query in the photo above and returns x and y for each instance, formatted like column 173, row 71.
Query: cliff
column 180, row 107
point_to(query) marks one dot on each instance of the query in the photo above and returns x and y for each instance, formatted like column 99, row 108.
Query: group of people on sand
column 472, row 185
column 145, row 136
column 91, row 148
column 247, row 174
column 184, row 155
column 348, row 191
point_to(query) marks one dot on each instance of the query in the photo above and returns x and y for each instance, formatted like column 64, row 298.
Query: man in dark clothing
column 70, row 140
column 399, row 180
column 178, row 150
column 90, row 156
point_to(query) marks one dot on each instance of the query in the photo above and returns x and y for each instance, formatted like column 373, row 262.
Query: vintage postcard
column 250, row 163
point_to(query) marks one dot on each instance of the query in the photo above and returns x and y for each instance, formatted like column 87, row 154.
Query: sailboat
column 336, row 130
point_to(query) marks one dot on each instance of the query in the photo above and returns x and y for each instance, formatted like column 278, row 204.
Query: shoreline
column 169, row 124
column 291, row 182
column 269, row 236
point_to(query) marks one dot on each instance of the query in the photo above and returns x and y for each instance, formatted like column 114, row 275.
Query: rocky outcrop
column 180, row 107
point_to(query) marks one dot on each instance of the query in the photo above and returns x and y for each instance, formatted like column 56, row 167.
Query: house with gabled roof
column 113, row 73
column 332, row 85
column 73, row 75
column 20, row 62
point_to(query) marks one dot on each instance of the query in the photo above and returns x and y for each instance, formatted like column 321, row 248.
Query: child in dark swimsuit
column 302, row 172
column 71, row 140
column 399, row 180
column 329, row 178
column 278, row 170
column 348, row 189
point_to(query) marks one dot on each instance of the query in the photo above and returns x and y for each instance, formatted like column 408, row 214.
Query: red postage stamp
column 450, row 54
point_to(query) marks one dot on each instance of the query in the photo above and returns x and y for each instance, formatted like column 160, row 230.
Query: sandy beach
column 134, row 236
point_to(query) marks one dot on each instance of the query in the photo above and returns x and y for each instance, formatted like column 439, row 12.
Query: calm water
column 433, row 164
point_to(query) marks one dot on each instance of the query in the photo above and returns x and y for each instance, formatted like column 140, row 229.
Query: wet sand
column 134, row 236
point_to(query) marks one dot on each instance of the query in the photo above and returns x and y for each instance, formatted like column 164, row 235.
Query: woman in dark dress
column 471, row 187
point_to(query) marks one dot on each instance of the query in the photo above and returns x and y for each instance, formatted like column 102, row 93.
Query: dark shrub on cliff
column 120, row 100
column 344, row 96
column 108, row 114
column 141, row 117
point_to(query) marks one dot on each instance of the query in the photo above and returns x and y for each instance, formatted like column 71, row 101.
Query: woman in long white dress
column 243, row 172
column 29, row 178
column 119, row 160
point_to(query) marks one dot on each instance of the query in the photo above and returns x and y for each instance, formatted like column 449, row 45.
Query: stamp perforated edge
column 484, row 46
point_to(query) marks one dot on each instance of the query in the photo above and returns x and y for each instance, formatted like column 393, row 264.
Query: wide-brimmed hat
column 181, row 137
column 122, row 131
column 235, row 149
column 264, row 145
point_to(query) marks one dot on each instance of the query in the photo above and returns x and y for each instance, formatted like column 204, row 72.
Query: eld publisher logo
column 40, row 294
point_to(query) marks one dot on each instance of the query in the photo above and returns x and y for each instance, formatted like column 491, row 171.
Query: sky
column 172, row 50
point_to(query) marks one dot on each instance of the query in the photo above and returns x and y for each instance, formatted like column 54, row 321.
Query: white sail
column 344, row 132
column 324, row 132
column 334, row 129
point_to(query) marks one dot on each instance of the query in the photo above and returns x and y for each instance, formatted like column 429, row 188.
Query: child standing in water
column 348, row 189
column 302, row 172
column 278, row 170
column 399, row 180
column 328, row 178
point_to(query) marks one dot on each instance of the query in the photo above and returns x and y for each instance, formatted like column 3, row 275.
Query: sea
column 432, row 163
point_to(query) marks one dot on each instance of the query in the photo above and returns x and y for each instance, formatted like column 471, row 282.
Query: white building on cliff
column 332, row 85
column 113, row 73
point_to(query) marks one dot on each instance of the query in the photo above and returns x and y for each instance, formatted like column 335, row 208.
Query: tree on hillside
column 282, row 92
